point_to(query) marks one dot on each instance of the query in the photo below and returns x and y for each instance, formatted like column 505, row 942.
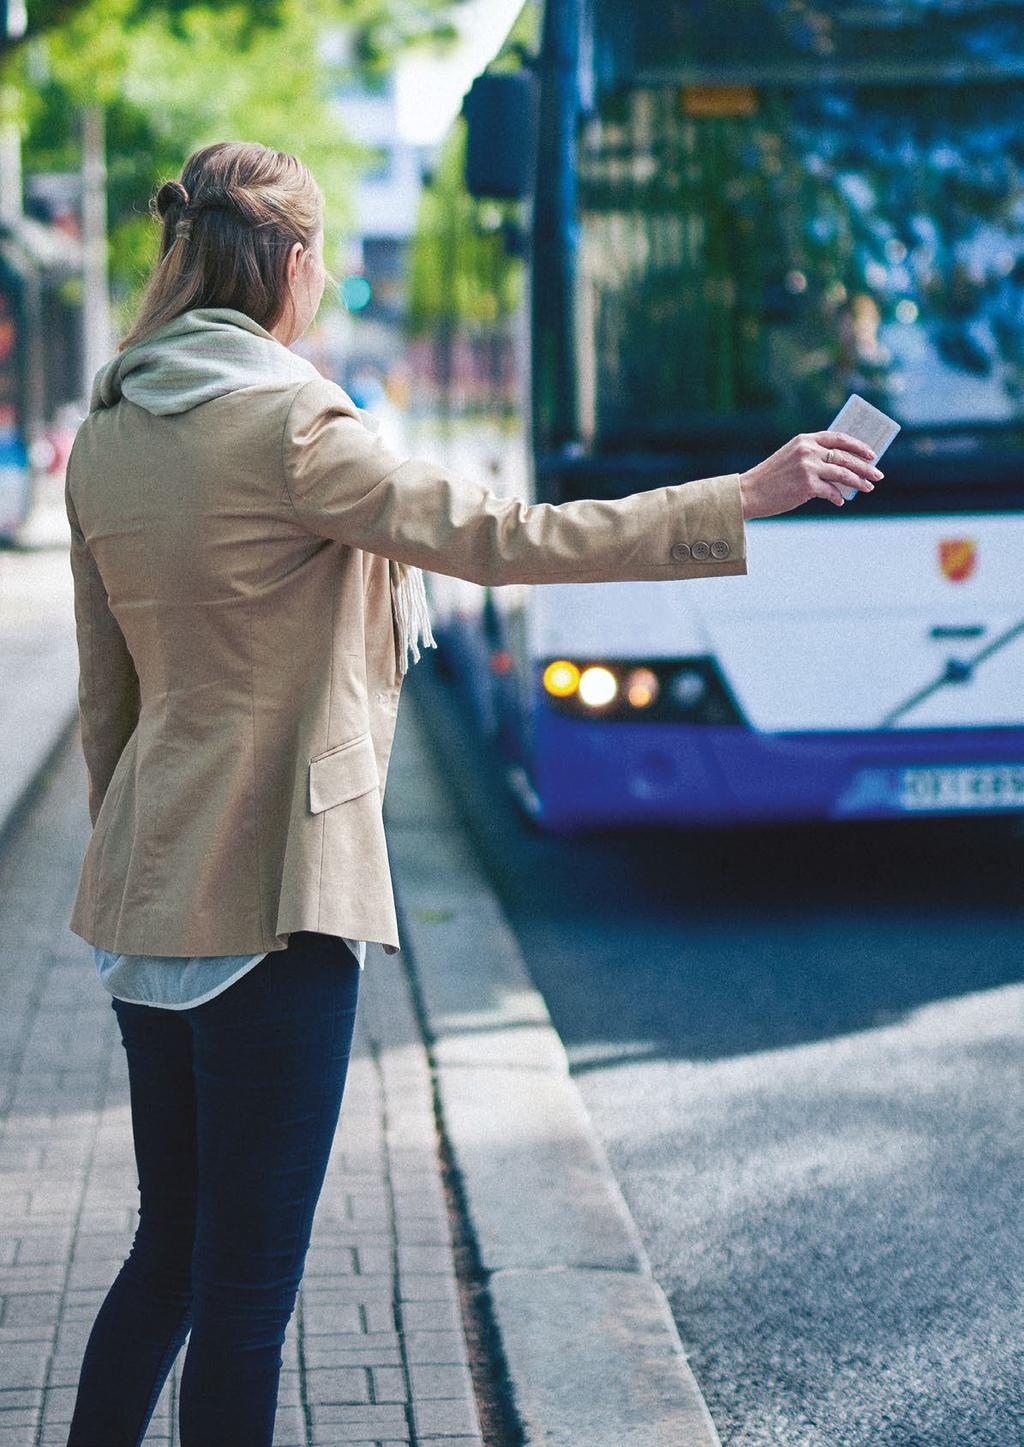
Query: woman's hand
column 812, row 464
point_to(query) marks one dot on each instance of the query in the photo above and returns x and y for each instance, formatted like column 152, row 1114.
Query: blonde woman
column 246, row 557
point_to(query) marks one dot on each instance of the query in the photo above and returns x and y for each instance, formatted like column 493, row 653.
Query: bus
column 662, row 239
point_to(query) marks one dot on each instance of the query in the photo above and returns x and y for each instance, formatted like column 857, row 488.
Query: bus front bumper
column 592, row 773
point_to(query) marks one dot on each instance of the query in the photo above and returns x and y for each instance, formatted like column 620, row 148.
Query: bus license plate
column 988, row 786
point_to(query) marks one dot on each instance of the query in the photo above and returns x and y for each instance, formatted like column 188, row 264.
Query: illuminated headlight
column 597, row 686
column 688, row 687
column 642, row 687
column 561, row 678
column 688, row 690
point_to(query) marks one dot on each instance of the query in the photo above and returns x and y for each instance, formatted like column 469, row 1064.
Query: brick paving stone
column 372, row 1259
column 471, row 1441
column 425, row 1259
column 389, row 1384
column 322, row 1260
column 380, row 1254
column 31, row 1309
column 421, row 1182
column 381, row 1419
column 323, row 1315
column 435, row 1286
column 22, row 1365
column 15, row 1436
column 379, row 1316
column 433, row 1381
column 440, row 1347
column 437, row 1417
column 60, row 1404
column 364, row 1287
column 42, row 1247
column 425, row 1200
column 431, row 1316
column 326, row 1437
column 423, row 1231
column 19, row 1397
column 320, row 1352
column 289, row 1426
column 20, row 1417
column 326, row 1385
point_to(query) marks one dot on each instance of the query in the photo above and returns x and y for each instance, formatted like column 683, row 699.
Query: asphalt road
column 803, row 1051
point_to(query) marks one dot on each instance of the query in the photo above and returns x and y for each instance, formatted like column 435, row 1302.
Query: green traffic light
column 356, row 292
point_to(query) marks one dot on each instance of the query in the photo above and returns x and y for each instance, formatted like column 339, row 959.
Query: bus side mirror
column 501, row 126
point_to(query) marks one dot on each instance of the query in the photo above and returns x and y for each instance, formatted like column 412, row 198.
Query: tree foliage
column 385, row 25
column 171, row 78
column 463, row 271
column 461, row 268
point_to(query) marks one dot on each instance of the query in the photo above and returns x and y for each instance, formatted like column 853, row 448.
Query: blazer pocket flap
column 342, row 773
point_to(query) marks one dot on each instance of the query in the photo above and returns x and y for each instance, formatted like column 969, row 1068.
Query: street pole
column 96, row 288
column 31, row 403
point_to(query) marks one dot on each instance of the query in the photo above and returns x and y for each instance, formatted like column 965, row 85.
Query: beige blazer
column 239, row 676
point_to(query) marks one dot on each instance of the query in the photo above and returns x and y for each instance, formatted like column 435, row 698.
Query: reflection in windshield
column 635, row 40
column 759, row 253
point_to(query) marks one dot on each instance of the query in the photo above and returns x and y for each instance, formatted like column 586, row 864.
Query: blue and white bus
column 694, row 230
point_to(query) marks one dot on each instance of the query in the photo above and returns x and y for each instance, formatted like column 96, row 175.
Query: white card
column 861, row 420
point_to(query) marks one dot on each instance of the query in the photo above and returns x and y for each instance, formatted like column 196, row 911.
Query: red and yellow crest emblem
column 957, row 558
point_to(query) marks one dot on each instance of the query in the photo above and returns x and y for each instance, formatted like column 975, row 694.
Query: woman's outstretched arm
column 345, row 483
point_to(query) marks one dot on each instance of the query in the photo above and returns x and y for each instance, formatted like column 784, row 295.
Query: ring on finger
column 828, row 456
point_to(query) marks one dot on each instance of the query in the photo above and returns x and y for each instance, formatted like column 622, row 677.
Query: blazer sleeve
column 345, row 483
column 108, row 686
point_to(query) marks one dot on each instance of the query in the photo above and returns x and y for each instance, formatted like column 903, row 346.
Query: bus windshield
column 751, row 252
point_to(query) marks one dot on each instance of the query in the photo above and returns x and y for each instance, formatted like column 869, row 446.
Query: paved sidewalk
column 375, row 1352
column 573, row 1339
column 38, row 664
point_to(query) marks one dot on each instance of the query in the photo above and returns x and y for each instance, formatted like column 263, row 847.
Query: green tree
column 172, row 78
column 384, row 25
column 463, row 272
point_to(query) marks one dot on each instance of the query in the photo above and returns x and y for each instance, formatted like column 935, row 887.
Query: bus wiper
column 956, row 671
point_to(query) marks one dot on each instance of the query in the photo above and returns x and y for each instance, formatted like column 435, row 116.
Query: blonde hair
column 228, row 225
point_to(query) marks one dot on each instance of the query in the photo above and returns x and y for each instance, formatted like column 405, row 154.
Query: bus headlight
column 642, row 687
column 598, row 686
column 561, row 678
column 688, row 690
column 688, row 687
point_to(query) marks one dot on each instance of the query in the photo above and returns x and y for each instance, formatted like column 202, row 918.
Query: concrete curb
column 591, row 1349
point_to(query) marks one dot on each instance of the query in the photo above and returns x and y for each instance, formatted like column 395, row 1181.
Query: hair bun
column 171, row 193
column 233, row 200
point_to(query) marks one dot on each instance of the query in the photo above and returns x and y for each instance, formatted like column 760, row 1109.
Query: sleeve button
column 701, row 551
column 680, row 551
column 720, row 548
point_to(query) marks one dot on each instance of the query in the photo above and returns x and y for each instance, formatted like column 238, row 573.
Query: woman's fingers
column 798, row 471
column 834, row 471
column 843, row 439
column 856, row 464
column 822, row 488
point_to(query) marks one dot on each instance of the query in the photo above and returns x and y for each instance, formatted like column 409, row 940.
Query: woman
column 246, row 557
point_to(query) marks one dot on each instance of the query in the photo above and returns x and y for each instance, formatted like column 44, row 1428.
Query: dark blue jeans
column 234, row 1106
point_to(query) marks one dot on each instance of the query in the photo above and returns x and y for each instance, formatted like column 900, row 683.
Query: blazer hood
column 193, row 358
